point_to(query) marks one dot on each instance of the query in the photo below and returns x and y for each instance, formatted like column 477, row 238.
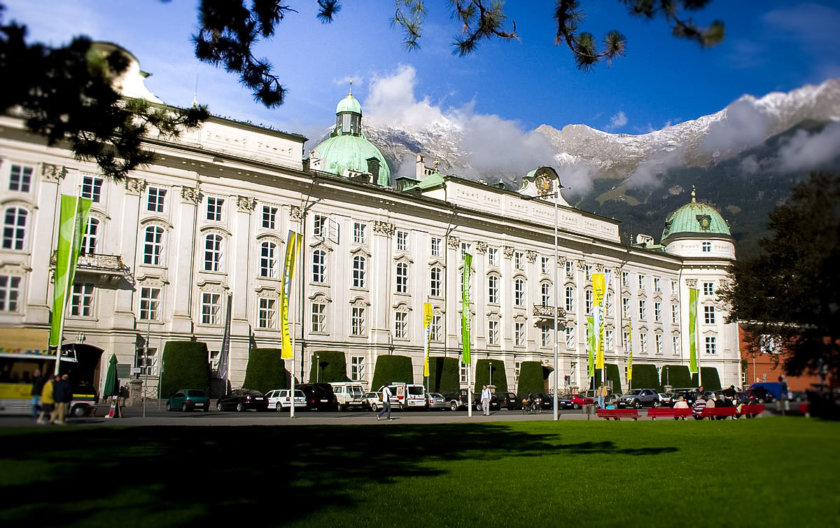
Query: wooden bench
column 751, row 410
column 669, row 412
column 715, row 412
column 617, row 414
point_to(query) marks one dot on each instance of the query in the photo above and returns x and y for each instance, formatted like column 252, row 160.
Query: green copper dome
column 349, row 104
column 695, row 219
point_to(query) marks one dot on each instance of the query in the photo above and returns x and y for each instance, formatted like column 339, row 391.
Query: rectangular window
column 642, row 309
column 149, row 303
column 357, row 368
column 708, row 288
column 319, row 315
column 545, row 294
column 319, row 226
column 625, row 307
column 359, row 233
column 436, row 247
column 675, row 314
column 517, row 365
column 657, row 312
column 465, row 248
column 709, row 314
column 319, row 266
column 402, row 277
column 435, row 282
column 210, row 307
column 545, row 265
column 156, row 199
column 674, row 286
column 493, row 256
column 643, row 343
column 707, row 247
column 641, row 282
column 587, row 298
column 9, row 293
column 570, row 337
column 81, row 303
column 357, row 321
column 492, row 332
column 20, row 178
column 658, row 338
column 269, row 217
column 656, row 284
column 545, row 336
column 570, row 299
column 435, row 328
column 14, row 228
column 625, row 338
column 402, row 240
column 214, row 209
column 267, row 313
column 213, row 252
column 153, row 245
column 569, row 267
column 608, row 340
column 675, row 343
column 625, row 279
column 588, row 270
column 92, row 188
column 269, row 261
column 711, row 345
column 519, row 292
column 519, row 334
column 519, row 260
column 359, row 272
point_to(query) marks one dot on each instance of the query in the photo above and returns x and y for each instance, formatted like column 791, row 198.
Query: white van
column 407, row 395
column 348, row 394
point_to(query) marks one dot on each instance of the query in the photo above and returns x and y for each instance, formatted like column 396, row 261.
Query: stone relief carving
column 190, row 195
column 245, row 204
column 453, row 242
column 383, row 228
column 508, row 251
column 532, row 256
column 481, row 247
column 295, row 212
column 135, row 185
column 691, row 283
column 53, row 173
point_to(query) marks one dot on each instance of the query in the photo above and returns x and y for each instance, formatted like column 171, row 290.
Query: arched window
column 213, row 252
column 319, row 266
column 570, row 298
column 435, row 282
column 268, row 260
column 493, row 289
column 91, row 237
column 359, row 272
column 153, row 245
column 402, row 277
column 545, row 294
column 519, row 292
column 14, row 228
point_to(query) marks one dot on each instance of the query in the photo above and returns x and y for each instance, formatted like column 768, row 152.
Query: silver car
column 279, row 399
column 435, row 400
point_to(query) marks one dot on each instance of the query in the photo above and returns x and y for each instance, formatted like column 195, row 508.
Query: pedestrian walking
column 485, row 400
column 37, row 387
column 62, row 394
column 386, row 403
column 47, row 401
column 602, row 393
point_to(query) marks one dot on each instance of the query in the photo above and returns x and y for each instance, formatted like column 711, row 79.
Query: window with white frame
column 149, row 303
column 359, row 272
column 267, row 313
column 545, row 265
column 357, row 321
column 570, row 298
column 20, row 178
column 493, row 256
column 658, row 344
column 674, row 286
column 656, row 284
column 493, row 289
column 519, row 292
column 642, row 309
column 213, row 252
column 492, row 332
column 214, row 209
column 155, row 199
column 625, row 338
column 588, row 270
column 643, row 343
column 402, row 240
column 14, row 228
column 402, row 277
column 707, row 247
column 319, row 318
column 269, row 261
column 517, row 365
column 465, row 248
column 625, row 307
column 146, row 361
column 709, row 314
column 211, row 304
column 437, row 247
column 641, row 281
column 519, row 260
column 319, row 226
column 435, row 327
column 9, row 293
column 587, row 298
column 675, row 343
column 675, row 314
column 708, row 288
column 545, row 294
column 359, row 234
column 657, row 312
column 269, row 217
column 152, row 245
column 608, row 304
column 357, row 368
column 92, row 188
column 625, row 279
column 545, row 336
column 81, row 301
column 570, row 337
column 608, row 339
column 711, row 345
column 319, row 266
column 569, row 268
column 435, row 282
column 91, row 237
column 519, row 334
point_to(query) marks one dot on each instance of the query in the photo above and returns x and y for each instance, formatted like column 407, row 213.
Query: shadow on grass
column 191, row 475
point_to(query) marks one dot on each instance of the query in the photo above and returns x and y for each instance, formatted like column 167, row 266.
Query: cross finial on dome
column 693, row 195
column 351, row 87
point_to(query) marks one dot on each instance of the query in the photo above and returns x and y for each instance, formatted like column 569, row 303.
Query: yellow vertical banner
column 427, row 335
column 630, row 355
column 599, row 289
column 292, row 245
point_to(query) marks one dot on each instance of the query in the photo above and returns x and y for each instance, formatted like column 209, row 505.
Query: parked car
column 319, row 397
column 372, row 401
column 348, row 394
column 458, row 400
column 509, row 400
column 547, row 401
column 766, row 392
column 435, row 400
column 666, row 399
column 188, row 400
column 279, row 399
column 241, row 400
column 640, row 398
column 579, row 401
column 406, row 395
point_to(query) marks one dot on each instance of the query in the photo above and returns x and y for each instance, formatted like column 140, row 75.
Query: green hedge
column 330, row 366
column 392, row 368
column 677, row 376
column 645, row 377
column 185, row 366
column 443, row 374
column 613, row 378
column 711, row 379
column 266, row 370
column 530, row 378
column 482, row 374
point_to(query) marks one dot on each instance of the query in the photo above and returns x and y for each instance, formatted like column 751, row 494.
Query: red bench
column 715, row 412
column 751, row 410
column 617, row 414
column 669, row 412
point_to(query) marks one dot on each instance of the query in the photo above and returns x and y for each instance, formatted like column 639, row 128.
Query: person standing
column 47, row 401
column 37, row 388
column 602, row 393
column 485, row 400
column 62, row 394
column 386, row 403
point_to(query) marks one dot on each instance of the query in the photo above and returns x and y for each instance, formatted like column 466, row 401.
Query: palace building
column 208, row 220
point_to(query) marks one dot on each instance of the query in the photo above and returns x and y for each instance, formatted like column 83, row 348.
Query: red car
column 579, row 401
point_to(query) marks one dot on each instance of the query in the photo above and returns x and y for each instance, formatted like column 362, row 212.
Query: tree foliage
column 328, row 366
column 185, row 366
column 791, row 289
column 67, row 94
column 266, row 370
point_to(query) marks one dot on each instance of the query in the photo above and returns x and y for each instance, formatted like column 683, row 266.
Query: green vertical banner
column 73, row 217
column 692, row 329
column 292, row 245
column 590, row 344
column 465, row 309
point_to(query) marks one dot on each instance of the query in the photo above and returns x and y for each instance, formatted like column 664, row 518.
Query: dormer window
column 349, row 123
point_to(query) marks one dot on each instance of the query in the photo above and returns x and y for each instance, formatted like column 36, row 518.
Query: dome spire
column 693, row 195
column 350, row 93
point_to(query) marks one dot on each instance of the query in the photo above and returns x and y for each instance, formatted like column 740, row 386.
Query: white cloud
column 649, row 172
column 806, row 151
column 743, row 125
column 617, row 121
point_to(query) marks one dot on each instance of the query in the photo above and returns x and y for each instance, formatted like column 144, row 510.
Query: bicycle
column 531, row 405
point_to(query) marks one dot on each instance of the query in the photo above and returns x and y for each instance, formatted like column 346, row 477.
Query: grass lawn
column 745, row 473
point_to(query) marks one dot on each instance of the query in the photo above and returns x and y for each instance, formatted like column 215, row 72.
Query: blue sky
column 770, row 46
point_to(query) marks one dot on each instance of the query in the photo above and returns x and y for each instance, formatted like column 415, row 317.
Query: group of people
column 51, row 396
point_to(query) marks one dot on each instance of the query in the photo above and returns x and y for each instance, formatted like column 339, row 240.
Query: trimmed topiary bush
column 613, row 378
column 266, row 370
column 185, row 366
column 482, row 374
column 443, row 374
column 392, row 368
column 711, row 379
column 645, row 377
column 327, row 366
column 530, row 378
column 677, row 376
